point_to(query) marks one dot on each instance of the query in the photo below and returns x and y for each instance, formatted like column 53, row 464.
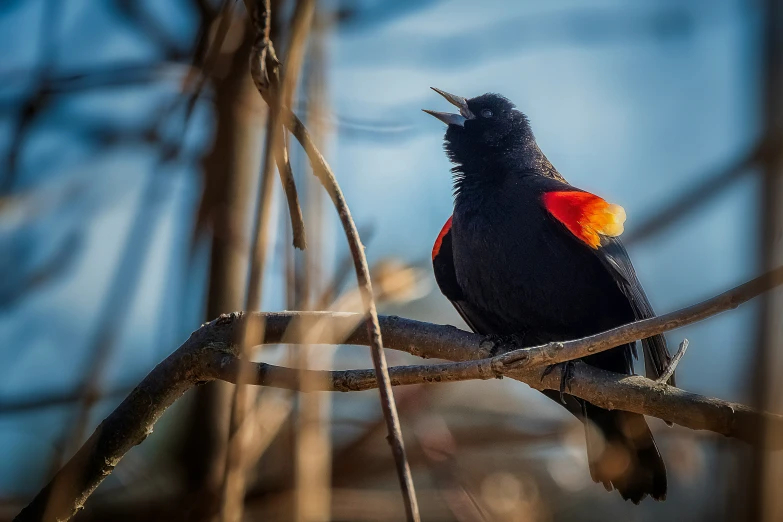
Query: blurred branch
column 52, row 399
column 263, row 62
column 138, row 241
column 342, row 271
column 762, row 498
column 118, row 74
column 212, row 352
column 125, row 277
column 411, row 402
column 312, row 444
column 13, row 289
column 440, row 450
column 696, row 196
column 27, row 113
column 137, row 16
column 29, row 109
column 230, row 171
column 233, row 489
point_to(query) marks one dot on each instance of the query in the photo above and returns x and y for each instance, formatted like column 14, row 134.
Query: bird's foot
column 501, row 344
column 566, row 376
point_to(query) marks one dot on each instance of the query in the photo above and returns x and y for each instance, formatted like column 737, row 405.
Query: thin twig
column 264, row 70
column 324, row 173
column 673, row 364
column 292, row 195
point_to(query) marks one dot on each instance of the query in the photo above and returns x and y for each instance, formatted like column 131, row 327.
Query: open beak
column 449, row 118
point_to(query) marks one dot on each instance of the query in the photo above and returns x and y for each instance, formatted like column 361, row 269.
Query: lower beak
column 457, row 101
column 448, row 118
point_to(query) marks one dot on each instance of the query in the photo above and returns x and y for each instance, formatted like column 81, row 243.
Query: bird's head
column 487, row 128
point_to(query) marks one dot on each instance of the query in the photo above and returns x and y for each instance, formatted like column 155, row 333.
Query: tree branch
column 606, row 389
column 212, row 352
column 227, row 368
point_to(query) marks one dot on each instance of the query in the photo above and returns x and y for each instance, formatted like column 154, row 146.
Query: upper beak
column 449, row 118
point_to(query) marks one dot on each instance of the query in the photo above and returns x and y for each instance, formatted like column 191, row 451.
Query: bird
column 529, row 257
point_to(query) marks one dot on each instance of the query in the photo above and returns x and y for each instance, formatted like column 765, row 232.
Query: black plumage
column 511, row 267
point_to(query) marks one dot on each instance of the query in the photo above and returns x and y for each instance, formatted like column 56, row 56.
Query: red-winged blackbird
column 526, row 254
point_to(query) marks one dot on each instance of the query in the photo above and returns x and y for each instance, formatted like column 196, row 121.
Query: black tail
column 622, row 453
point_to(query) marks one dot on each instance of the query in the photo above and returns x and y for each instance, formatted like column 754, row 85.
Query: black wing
column 615, row 258
column 446, row 277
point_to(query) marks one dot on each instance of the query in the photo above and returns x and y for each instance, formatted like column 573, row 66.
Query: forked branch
column 212, row 352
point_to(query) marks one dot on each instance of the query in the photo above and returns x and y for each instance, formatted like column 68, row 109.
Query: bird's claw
column 504, row 343
column 566, row 376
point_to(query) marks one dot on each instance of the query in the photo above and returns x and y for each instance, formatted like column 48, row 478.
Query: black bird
column 527, row 255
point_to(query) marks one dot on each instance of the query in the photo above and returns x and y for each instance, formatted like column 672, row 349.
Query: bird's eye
column 486, row 113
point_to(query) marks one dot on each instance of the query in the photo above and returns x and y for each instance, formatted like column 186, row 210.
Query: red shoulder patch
column 439, row 241
column 585, row 215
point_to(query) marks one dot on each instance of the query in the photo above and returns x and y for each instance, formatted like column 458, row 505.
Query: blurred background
column 131, row 140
